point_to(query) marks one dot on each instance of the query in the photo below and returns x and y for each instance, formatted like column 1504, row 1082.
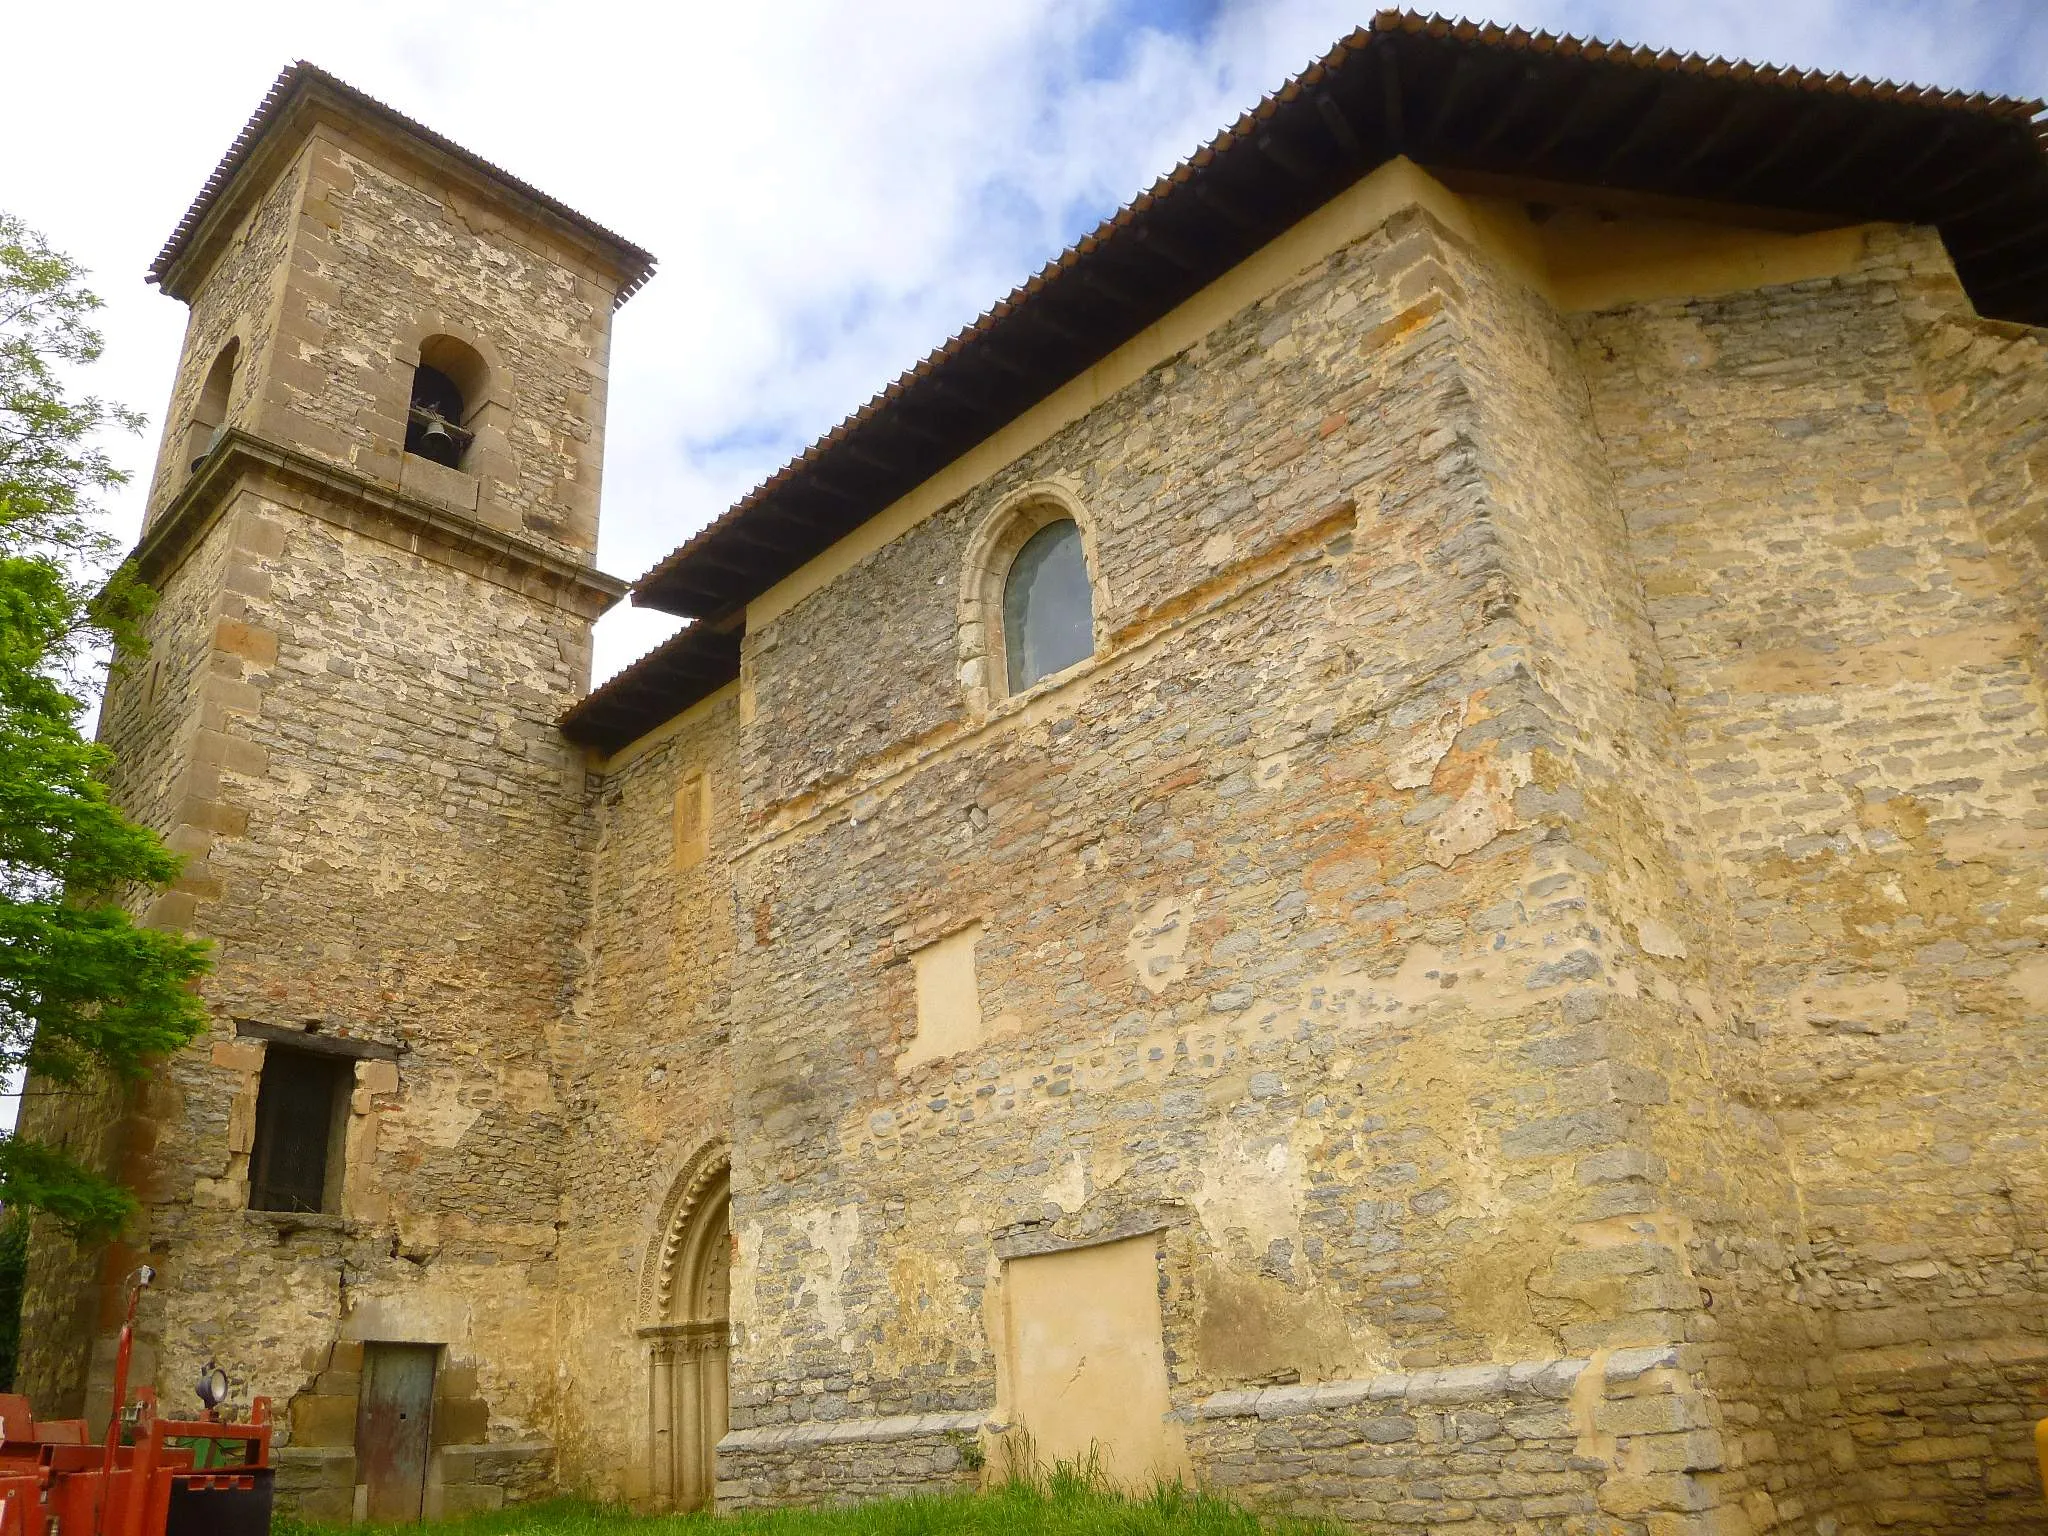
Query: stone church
column 1383, row 844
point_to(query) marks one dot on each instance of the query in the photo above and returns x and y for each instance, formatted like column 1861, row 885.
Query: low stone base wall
column 316, row 1482
column 319, row 1482
column 1553, row 1446
column 847, row 1461
column 464, row 1478
column 1941, row 1437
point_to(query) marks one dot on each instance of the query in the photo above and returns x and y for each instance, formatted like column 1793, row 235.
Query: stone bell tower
column 371, row 525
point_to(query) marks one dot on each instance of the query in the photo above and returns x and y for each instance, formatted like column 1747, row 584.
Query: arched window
column 1048, row 608
column 447, row 387
column 211, row 412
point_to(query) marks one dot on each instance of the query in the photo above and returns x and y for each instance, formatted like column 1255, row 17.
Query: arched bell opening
column 688, row 1342
column 450, row 384
column 210, row 412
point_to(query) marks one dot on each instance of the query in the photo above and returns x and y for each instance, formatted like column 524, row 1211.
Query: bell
column 437, row 435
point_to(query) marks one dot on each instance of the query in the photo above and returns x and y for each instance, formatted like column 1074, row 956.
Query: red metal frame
column 54, row 1480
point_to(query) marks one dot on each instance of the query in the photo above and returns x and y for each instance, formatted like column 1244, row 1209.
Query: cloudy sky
column 832, row 188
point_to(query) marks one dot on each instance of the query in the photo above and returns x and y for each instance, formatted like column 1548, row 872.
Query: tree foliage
column 86, row 993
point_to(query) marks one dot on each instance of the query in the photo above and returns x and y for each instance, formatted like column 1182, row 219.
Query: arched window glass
column 1048, row 610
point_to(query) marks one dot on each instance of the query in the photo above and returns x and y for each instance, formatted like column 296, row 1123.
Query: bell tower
column 372, row 525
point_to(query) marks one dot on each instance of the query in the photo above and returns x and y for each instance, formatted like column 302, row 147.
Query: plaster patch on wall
column 742, row 1304
column 926, row 1324
column 832, row 1235
column 435, row 1113
column 1070, row 1190
column 1659, row 938
column 2030, row 979
column 1250, row 1327
column 1159, row 939
column 1254, row 1186
column 948, row 999
column 1843, row 1004
column 1482, row 813
column 1414, row 764
column 692, row 820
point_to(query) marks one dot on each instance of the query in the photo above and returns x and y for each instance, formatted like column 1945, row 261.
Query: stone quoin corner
column 1383, row 844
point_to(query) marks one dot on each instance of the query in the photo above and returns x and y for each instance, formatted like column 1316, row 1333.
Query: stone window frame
column 487, row 406
column 991, row 551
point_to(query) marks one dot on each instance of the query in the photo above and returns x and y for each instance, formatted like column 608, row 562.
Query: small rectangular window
column 301, row 1119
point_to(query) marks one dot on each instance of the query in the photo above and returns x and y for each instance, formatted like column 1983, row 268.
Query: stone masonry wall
column 239, row 304
column 353, row 743
column 1852, row 678
column 154, row 709
column 643, row 1067
column 1522, row 1446
column 404, row 871
column 385, row 255
column 849, row 1461
column 1278, row 953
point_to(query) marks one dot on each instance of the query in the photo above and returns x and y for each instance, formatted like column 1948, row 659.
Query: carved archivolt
column 700, row 1186
column 986, row 566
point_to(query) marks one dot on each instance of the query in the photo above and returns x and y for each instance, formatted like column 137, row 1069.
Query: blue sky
column 832, row 187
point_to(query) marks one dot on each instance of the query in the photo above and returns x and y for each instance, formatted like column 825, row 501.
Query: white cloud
column 832, row 188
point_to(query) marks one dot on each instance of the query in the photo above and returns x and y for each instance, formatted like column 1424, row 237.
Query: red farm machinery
column 151, row 1476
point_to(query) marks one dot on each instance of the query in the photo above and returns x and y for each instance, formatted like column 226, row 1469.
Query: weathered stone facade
column 1530, row 921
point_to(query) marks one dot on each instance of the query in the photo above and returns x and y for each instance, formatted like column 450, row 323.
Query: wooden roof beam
column 1285, row 158
column 1340, row 127
column 1525, row 92
column 1810, row 117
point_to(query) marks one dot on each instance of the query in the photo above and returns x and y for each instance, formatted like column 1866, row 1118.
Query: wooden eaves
column 1455, row 97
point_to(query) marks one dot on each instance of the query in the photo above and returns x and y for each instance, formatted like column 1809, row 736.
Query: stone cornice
column 346, row 499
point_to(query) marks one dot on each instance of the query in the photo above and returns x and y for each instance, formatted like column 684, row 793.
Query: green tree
column 87, row 995
column 13, row 1279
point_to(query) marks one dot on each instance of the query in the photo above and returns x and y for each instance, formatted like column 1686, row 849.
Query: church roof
column 1453, row 96
column 301, row 83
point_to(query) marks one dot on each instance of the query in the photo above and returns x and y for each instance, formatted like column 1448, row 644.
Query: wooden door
column 393, row 1418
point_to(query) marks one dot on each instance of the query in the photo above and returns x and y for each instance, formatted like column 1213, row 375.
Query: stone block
column 1635, row 1495
column 323, row 1421
column 1663, row 1414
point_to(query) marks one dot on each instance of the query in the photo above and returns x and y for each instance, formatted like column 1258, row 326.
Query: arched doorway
column 692, row 1276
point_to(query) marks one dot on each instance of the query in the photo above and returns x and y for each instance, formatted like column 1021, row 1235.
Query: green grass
column 1064, row 1504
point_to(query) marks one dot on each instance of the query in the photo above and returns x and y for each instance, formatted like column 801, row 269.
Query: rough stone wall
column 850, row 1461
column 1851, row 675
column 348, row 729
column 399, row 862
column 239, row 303
column 643, row 1064
column 1987, row 382
column 1521, row 1446
column 1279, row 953
column 153, row 712
column 385, row 255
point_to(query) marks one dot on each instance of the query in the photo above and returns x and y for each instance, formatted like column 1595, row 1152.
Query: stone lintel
column 320, row 1042
column 1525, row 1380
column 388, row 514
column 903, row 1426
column 1035, row 1238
